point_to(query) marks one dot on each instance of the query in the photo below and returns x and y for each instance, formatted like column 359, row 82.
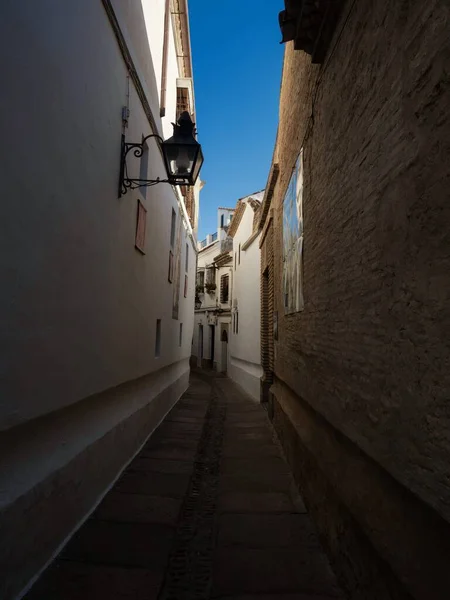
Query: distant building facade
column 97, row 314
column 355, row 296
column 245, row 344
column 227, row 316
column 213, row 297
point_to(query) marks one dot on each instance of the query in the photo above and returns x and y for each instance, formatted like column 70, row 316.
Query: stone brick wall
column 267, row 307
column 370, row 352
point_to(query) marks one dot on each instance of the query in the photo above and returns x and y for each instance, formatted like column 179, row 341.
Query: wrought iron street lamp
column 183, row 157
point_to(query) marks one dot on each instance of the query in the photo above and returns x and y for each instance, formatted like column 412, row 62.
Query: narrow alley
column 207, row 509
column 225, row 307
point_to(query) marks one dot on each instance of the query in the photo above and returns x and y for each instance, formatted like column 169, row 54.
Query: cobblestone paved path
column 206, row 510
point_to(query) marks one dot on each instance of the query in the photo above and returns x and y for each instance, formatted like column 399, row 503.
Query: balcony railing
column 226, row 245
column 209, row 240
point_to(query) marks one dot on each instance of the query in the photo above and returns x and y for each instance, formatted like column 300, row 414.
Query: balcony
column 226, row 245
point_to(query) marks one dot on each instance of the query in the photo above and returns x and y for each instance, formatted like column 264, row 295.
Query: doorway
column 200, row 346
column 224, row 342
column 212, row 341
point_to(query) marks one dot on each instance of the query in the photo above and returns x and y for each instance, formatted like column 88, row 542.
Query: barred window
column 201, row 278
column 224, row 288
column 183, row 103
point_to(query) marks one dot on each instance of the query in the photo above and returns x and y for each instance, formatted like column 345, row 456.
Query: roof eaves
column 268, row 194
column 238, row 213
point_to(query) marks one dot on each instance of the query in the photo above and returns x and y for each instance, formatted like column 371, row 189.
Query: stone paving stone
column 188, row 443
column 271, row 571
column 282, row 530
column 67, row 580
column 235, row 407
column 265, row 548
column 262, row 429
column 197, row 415
column 191, row 406
column 246, row 441
column 249, row 417
column 247, row 449
column 143, row 545
column 180, row 419
column 259, row 481
column 160, row 465
column 177, row 437
column 163, row 484
column 275, row 597
column 170, row 451
column 256, row 502
column 136, row 508
column 177, row 430
column 184, row 425
column 237, row 466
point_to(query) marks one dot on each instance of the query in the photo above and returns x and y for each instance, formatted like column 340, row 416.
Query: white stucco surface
column 82, row 302
column 245, row 346
column 213, row 312
column 79, row 302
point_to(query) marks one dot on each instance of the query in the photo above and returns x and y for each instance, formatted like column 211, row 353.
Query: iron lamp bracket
column 128, row 183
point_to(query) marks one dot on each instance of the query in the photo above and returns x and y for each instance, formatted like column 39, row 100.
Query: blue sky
column 237, row 60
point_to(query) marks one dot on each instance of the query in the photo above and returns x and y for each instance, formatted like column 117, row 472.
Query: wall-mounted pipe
column 165, row 54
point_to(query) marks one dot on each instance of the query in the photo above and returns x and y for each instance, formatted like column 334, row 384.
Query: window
column 185, row 286
column 180, row 341
column 139, row 241
column 187, row 259
column 201, row 278
column 235, row 261
column 237, row 322
column 210, row 275
column 183, row 103
column 222, row 218
column 172, row 244
column 158, row 339
column 293, row 240
column 172, row 228
column 239, row 261
column 224, row 287
column 170, row 275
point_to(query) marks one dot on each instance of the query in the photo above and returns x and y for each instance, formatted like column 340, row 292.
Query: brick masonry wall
column 267, row 307
column 370, row 351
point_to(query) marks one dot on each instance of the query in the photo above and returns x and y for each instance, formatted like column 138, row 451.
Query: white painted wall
column 79, row 293
column 227, row 214
column 210, row 302
column 245, row 346
column 79, row 304
column 154, row 22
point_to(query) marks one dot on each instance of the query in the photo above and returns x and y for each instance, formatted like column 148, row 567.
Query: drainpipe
column 162, row 104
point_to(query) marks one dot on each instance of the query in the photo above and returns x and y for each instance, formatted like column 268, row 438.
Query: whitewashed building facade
column 227, row 316
column 245, row 344
column 98, row 290
column 213, row 297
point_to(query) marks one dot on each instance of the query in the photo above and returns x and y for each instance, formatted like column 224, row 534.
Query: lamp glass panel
column 197, row 165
